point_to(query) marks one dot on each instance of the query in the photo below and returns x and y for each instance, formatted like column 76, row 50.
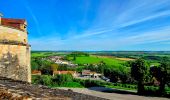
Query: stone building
column 14, row 49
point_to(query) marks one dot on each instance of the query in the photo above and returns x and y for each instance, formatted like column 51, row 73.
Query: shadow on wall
column 10, row 67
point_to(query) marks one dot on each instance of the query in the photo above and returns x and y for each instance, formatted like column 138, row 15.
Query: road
column 114, row 94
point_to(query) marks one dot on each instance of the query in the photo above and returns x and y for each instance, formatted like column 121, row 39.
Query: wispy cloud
column 104, row 30
column 33, row 17
column 92, row 33
column 161, row 14
column 148, row 37
column 123, row 20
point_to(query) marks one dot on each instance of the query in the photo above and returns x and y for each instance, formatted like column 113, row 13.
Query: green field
column 94, row 60
column 46, row 54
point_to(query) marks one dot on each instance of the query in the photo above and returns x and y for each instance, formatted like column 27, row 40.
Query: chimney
column 0, row 18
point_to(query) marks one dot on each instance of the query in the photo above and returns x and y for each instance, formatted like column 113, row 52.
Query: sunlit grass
column 95, row 60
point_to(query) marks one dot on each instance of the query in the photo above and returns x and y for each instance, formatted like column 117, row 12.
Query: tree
column 101, row 67
column 36, row 63
column 124, row 74
column 112, row 74
column 54, row 67
column 74, row 57
column 62, row 78
column 63, row 67
column 162, row 73
column 139, row 72
column 46, row 68
column 77, row 54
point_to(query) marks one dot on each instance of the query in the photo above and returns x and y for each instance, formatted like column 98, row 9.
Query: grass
column 155, row 63
column 68, row 84
column 95, row 60
column 119, row 87
column 46, row 54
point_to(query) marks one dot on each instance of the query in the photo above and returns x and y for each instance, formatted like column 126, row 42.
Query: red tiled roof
column 12, row 22
column 36, row 72
column 64, row 72
column 88, row 72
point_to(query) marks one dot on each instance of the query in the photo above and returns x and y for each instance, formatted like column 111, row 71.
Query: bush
column 90, row 83
column 151, row 90
column 42, row 79
column 47, row 80
column 61, row 79
column 71, row 84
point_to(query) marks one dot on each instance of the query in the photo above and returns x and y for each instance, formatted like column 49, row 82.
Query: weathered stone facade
column 14, row 53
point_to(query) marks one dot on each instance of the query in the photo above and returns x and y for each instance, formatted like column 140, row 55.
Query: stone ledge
column 10, row 42
column 22, row 89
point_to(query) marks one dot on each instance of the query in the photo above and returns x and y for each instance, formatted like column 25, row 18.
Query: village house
column 36, row 72
column 90, row 74
column 59, row 60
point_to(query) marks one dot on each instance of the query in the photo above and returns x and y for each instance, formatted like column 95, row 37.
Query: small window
column 25, row 26
column 24, row 40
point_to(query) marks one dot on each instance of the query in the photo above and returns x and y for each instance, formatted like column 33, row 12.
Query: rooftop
column 15, row 23
column 64, row 72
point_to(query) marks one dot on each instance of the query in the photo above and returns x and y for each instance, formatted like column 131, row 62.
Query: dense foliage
column 65, row 80
column 162, row 74
column 139, row 71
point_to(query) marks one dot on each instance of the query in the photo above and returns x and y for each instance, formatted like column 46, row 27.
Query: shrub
column 42, row 79
column 71, row 84
column 63, row 78
column 151, row 90
column 90, row 83
column 47, row 80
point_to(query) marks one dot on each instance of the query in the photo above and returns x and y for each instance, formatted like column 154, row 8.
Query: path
column 97, row 91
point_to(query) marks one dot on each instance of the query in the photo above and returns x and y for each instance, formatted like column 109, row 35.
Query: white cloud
column 34, row 18
column 137, row 12
column 163, row 34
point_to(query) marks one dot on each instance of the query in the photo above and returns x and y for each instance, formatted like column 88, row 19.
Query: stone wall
column 14, row 54
column 11, row 34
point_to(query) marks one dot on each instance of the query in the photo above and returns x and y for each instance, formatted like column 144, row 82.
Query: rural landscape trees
column 149, row 76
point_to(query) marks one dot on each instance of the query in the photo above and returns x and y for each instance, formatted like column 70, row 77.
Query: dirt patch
column 125, row 59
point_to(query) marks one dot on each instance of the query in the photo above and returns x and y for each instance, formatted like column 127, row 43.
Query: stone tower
column 14, row 49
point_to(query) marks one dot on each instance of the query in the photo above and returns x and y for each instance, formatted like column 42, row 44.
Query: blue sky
column 93, row 24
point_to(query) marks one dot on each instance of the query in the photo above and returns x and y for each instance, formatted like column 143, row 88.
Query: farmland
column 46, row 53
column 96, row 59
